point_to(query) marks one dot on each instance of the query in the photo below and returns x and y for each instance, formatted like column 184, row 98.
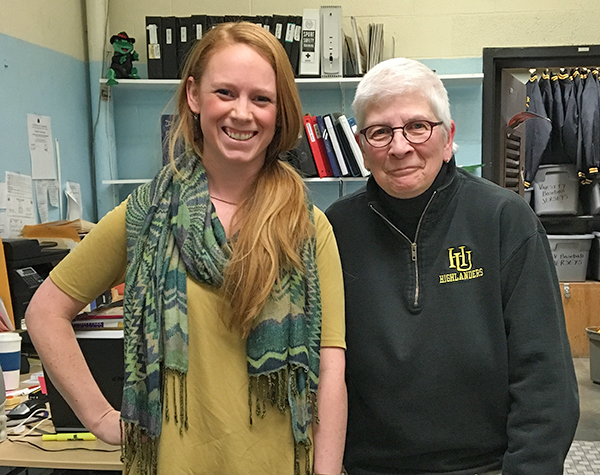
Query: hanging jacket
column 547, row 100
column 558, row 120
column 537, row 132
column 589, row 121
column 578, row 91
column 571, row 125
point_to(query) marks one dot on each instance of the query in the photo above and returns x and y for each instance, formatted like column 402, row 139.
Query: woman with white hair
column 458, row 361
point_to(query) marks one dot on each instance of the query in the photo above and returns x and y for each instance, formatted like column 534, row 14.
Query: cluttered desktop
column 37, row 427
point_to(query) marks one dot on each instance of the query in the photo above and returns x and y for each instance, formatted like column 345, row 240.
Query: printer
column 28, row 263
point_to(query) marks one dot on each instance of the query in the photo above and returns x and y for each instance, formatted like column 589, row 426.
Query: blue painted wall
column 38, row 80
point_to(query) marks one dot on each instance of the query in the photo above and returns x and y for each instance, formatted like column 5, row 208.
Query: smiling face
column 236, row 101
column 402, row 169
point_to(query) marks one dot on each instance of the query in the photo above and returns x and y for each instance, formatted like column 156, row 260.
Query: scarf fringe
column 273, row 387
column 308, row 463
column 180, row 404
column 139, row 448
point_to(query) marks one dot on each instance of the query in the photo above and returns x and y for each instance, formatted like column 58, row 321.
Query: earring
column 197, row 128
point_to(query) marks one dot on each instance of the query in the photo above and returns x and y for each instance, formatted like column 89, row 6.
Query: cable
column 65, row 449
column 16, row 428
column 31, row 429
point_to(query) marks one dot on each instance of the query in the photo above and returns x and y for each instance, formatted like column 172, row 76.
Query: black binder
column 345, row 146
column 199, row 27
column 214, row 20
column 185, row 40
column 295, row 52
column 169, row 47
column 301, row 158
column 288, row 36
column 278, row 28
column 153, row 47
column 267, row 23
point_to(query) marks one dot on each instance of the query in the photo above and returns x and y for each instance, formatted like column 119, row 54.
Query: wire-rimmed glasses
column 415, row 132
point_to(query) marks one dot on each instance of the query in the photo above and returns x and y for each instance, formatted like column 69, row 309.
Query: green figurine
column 122, row 61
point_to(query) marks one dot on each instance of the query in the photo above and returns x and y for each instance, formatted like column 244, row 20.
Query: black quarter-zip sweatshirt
column 458, row 360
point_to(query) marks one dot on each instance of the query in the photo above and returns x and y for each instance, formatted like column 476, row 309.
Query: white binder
column 331, row 41
column 310, row 44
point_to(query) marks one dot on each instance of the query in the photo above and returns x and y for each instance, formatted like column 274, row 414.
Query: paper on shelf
column 74, row 205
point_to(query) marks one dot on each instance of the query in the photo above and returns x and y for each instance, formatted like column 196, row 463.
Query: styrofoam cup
column 10, row 359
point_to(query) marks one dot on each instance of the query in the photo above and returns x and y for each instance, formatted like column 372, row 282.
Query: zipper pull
column 413, row 251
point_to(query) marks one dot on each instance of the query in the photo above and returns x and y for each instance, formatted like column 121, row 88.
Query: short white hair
column 396, row 77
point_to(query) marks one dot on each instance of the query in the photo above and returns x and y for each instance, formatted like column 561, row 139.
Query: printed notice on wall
column 46, row 194
column 39, row 131
column 19, row 203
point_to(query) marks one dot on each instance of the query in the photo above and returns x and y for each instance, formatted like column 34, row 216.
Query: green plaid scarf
column 173, row 230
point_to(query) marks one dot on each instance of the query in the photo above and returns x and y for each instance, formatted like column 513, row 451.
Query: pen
column 74, row 436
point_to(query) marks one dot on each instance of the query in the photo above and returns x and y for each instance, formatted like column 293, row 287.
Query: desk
column 79, row 455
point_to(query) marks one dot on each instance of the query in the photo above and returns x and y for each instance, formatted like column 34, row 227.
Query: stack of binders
column 314, row 42
column 333, row 147
column 170, row 39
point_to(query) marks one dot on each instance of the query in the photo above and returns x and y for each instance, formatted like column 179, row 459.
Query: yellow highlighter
column 73, row 436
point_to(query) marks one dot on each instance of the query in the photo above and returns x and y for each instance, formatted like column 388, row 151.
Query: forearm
column 332, row 399
column 48, row 321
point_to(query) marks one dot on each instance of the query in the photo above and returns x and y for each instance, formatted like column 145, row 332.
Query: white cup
column 10, row 359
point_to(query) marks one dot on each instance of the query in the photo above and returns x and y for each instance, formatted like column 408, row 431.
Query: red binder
column 318, row 150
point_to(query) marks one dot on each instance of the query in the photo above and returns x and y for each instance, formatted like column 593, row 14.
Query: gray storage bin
column 594, row 260
column 556, row 190
column 594, row 338
column 594, row 198
column 571, row 255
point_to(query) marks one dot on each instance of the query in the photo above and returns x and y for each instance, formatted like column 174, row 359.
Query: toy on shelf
column 121, row 66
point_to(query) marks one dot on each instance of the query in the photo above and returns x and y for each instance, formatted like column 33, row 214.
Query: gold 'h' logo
column 459, row 260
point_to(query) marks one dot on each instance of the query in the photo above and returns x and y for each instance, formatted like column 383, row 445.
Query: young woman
column 234, row 327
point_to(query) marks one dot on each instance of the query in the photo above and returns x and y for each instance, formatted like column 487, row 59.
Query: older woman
column 233, row 309
column 458, row 360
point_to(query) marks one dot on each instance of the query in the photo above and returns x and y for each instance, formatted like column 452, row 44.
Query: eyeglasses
column 415, row 132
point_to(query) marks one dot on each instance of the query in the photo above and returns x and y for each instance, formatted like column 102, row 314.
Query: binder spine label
column 308, row 41
column 153, row 51
column 317, row 132
column 153, row 32
column 278, row 30
column 169, row 36
column 309, row 131
column 183, row 32
column 289, row 34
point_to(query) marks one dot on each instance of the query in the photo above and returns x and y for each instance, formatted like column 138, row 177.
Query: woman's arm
column 48, row 320
column 332, row 399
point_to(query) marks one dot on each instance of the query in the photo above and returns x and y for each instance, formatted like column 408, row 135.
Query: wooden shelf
column 133, row 181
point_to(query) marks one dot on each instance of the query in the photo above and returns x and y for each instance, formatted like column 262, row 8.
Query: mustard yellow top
column 220, row 439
